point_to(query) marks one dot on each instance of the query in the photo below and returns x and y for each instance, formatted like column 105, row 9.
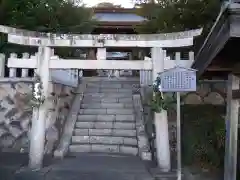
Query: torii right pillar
column 232, row 116
column 161, row 118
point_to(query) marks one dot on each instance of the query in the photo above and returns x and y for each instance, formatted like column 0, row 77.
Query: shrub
column 203, row 136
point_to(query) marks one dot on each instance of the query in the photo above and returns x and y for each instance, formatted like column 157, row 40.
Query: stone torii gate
column 43, row 63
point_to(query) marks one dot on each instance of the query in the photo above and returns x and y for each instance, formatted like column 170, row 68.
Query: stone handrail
column 143, row 145
column 65, row 140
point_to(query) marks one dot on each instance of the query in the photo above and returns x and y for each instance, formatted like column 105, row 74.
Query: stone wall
column 208, row 92
column 16, row 114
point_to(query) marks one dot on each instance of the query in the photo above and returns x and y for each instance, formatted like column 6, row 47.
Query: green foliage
column 162, row 101
column 203, row 135
column 177, row 15
column 46, row 16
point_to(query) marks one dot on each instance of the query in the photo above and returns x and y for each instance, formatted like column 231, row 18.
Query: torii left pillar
column 37, row 135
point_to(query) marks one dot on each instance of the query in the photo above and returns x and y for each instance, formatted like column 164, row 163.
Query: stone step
column 107, row 90
column 105, row 118
column 104, row 111
column 101, row 85
column 106, row 105
column 105, row 125
column 103, row 148
column 87, row 100
column 109, row 140
column 108, row 95
column 112, row 81
column 105, row 132
column 110, row 85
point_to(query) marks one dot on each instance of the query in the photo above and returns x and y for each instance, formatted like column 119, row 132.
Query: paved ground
column 82, row 167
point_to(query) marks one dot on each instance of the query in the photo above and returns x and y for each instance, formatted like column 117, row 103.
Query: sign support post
column 178, row 79
column 179, row 161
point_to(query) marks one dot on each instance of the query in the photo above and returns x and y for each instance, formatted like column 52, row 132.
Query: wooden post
column 25, row 71
column 52, row 52
column 102, row 55
column 143, row 80
column 13, row 71
column 177, row 58
column 80, row 73
column 37, row 139
column 32, row 57
column 146, row 75
column 191, row 56
column 230, row 161
column 2, row 65
column 149, row 77
column 161, row 119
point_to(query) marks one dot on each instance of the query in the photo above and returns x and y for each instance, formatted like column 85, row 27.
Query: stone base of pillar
column 162, row 141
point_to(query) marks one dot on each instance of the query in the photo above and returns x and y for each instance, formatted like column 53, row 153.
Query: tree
column 177, row 15
column 166, row 16
column 46, row 16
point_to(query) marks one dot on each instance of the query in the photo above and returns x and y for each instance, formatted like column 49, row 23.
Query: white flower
column 160, row 89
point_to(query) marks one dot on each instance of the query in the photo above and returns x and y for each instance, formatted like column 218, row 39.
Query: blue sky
column 124, row 3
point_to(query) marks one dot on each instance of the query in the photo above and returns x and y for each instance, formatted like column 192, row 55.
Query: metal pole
column 179, row 164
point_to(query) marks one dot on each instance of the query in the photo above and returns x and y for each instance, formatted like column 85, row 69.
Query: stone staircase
column 106, row 122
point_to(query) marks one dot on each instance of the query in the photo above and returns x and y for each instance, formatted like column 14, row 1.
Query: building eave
column 128, row 25
column 226, row 26
column 113, row 10
column 214, row 42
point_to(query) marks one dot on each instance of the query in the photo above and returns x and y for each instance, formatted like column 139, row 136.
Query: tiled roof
column 118, row 17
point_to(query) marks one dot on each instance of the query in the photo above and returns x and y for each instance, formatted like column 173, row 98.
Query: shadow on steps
column 12, row 163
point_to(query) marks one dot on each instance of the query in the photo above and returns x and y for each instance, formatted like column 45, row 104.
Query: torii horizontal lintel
column 37, row 41
column 33, row 38
column 83, row 64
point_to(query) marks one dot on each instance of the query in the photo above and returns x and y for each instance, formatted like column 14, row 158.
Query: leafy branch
column 162, row 101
